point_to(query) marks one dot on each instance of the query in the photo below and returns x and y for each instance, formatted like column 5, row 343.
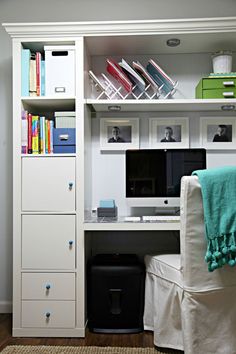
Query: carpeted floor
column 29, row 349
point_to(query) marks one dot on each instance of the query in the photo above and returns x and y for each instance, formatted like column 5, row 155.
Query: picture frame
column 169, row 133
column 119, row 133
column 218, row 133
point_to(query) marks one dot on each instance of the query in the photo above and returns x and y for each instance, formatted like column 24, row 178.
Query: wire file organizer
column 105, row 88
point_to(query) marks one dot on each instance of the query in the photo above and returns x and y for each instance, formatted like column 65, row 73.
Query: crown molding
column 100, row 28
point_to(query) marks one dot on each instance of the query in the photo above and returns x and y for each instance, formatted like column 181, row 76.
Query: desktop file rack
column 105, row 88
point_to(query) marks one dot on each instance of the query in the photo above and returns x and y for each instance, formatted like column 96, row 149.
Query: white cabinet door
column 48, row 184
column 48, row 242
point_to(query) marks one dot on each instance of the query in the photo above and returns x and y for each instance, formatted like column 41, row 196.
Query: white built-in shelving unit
column 49, row 226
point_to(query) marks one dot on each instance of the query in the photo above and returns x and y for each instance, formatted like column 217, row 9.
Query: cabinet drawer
column 224, row 87
column 48, row 286
column 48, row 314
column 218, row 83
column 48, row 184
column 48, row 241
column 220, row 93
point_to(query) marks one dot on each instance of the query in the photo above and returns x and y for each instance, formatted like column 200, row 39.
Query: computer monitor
column 153, row 175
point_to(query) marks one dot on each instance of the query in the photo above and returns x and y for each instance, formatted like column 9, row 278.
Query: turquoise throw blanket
column 218, row 187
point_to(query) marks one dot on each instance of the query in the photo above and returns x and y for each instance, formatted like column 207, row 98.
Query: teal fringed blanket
column 219, row 204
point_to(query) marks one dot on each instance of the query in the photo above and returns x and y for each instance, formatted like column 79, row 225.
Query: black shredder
column 115, row 293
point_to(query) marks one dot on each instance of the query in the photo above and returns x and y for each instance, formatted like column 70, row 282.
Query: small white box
column 60, row 70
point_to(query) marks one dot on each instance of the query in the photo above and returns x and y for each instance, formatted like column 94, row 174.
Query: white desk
column 111, row 224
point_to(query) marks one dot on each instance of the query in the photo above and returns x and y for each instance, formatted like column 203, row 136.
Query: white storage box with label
column 60, row 70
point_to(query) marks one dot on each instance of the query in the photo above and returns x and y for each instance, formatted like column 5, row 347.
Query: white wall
column 71, row 10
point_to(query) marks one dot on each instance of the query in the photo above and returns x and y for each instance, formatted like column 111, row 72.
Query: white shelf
column 49, row 103
column 46, row 155
column 171, row 105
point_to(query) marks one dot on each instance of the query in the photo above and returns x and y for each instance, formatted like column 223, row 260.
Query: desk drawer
column 48, row 286
column 48, row 314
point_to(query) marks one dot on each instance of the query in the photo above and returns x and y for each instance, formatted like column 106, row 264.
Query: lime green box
column 215, row 87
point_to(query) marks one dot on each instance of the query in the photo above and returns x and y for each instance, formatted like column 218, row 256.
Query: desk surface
column 92, row 223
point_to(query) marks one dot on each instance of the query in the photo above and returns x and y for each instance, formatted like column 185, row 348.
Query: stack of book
column 32, row 73
column 36, row 134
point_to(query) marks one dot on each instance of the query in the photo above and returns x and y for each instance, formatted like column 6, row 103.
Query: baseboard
column 5, row 307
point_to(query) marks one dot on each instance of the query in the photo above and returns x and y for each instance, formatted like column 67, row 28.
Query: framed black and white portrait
column 218, row 132
column 169, row 133
column 119, row 133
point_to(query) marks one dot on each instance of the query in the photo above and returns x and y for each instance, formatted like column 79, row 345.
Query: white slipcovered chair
column 188, row 307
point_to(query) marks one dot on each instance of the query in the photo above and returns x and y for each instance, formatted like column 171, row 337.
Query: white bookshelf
column 94, row 42
column 160, row 105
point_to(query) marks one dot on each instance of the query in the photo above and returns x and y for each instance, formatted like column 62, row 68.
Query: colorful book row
column 36, row 134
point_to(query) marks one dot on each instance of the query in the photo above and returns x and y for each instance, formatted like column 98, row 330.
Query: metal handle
column 60, row 89
column 70, row 185
column 48, row 286
column 71, row 242
column 228, row 94
column 228, row 83
column 64, row 137
column 48, row 314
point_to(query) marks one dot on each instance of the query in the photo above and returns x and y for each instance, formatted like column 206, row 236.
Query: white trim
column 5, row 307
column 95, row 28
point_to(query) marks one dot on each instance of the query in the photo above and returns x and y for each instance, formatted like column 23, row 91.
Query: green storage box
column 215, row 87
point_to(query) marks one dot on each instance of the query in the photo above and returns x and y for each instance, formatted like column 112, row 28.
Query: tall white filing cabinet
column 48, row 247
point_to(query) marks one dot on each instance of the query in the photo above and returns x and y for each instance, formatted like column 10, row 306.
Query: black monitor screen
column 157, row 173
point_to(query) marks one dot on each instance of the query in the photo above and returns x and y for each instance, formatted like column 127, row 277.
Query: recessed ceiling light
column 173, row 42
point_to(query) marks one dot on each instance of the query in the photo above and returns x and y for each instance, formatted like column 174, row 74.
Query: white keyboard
column 132, row 218
column 160, row 218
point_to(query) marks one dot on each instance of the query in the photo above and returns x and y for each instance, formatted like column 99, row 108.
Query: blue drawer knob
column 48, row 286
column 48, row 314
column 70, row 186
column 71, row 242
